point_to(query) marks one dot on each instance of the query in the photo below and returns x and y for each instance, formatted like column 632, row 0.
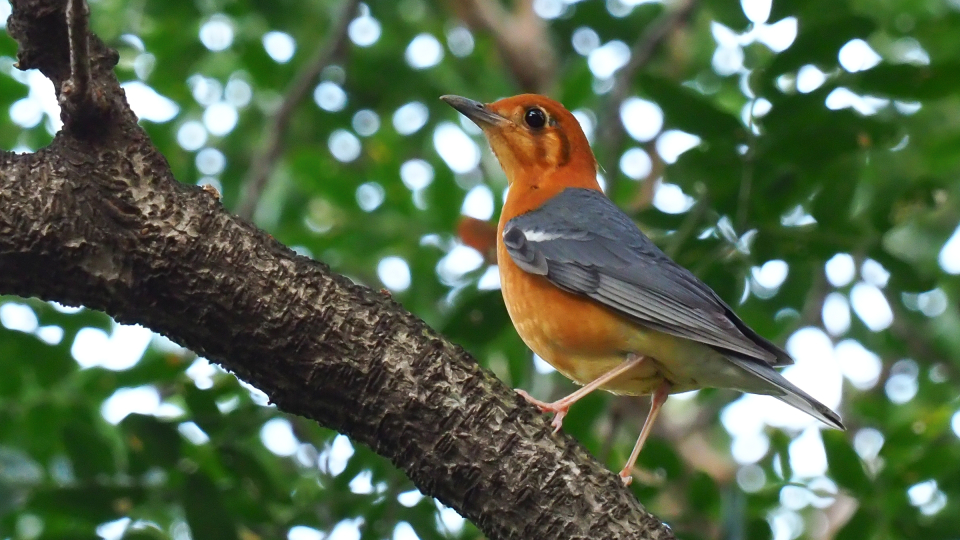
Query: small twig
column 612, row 131
column 264, row 161
column 78, row 21
column 77, row 97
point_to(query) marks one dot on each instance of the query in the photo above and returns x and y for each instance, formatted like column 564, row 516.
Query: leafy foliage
column 836, row 148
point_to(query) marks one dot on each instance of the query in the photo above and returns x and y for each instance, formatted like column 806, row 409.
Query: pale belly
column 583, row 340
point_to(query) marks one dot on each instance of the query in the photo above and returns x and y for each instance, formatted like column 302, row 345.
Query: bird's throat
column 531, row 192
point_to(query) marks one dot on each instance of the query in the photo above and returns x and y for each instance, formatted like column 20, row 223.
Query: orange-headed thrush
column 593, row 296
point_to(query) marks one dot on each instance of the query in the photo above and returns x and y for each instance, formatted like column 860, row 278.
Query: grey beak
column 475, row 111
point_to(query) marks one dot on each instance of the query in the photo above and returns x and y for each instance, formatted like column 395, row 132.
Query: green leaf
column 90, row 502
column 728, row 13
column 206, row 513
column 759, row 529
column 148, row 533
column 203, row 406
column 906, row 81
column 151, row 442
column 860, row 526
column 704, row 493
column 90, row 453
column 692, row 112
column 844, row 463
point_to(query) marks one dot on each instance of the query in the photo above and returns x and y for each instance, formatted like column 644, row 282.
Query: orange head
column 537, row 141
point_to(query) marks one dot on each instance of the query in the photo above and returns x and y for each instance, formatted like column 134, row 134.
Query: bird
column 589, row 293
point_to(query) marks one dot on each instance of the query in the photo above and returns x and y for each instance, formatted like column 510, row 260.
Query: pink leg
column 561, row 406
column 657, row 401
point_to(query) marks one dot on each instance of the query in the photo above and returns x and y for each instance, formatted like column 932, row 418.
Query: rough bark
column 97, row 219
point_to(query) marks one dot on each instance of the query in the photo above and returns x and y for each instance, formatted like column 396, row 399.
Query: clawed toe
column 557, row 421
column 559, row 410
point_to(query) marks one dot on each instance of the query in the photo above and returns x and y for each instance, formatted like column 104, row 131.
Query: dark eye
column 535, row 118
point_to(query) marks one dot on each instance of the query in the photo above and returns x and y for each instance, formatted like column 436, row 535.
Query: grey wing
column 583, row 243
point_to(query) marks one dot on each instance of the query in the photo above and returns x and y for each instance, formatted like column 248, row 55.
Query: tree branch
column 78, row 64
column 100, row 221
column 521, row 37
column 78, row 19
column 266, row 158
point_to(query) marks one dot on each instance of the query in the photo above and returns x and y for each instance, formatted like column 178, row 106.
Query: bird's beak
column 479, row 113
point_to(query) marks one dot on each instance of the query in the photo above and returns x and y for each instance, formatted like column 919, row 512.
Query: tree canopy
column 800, row 158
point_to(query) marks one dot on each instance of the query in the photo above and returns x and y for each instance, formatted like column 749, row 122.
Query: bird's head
column 534, row 137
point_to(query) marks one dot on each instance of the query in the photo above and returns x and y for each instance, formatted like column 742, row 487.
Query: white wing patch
column 541, row 236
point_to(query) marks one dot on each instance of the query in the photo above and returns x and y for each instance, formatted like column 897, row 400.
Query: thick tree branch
column 100, row 221
column 266, row 158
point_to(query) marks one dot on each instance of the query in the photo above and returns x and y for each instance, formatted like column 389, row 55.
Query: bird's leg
column 561, row 406
column 657, row 401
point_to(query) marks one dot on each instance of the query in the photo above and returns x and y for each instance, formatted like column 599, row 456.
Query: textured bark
column 97, row 219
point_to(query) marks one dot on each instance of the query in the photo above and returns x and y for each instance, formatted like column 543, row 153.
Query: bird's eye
column 535, row 118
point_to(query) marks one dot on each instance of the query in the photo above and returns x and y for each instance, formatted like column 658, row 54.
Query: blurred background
column 802, row 158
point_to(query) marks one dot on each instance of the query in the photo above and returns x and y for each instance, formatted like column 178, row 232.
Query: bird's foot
column 646, row 477
column 557, row 421
column 559, row 408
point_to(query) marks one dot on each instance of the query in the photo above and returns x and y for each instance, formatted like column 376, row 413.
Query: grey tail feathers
column 779, row 387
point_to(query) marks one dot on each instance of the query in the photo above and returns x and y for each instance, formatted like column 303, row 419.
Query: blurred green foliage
column 855, row 155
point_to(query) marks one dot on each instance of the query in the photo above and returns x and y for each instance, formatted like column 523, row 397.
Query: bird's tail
column 779, row 387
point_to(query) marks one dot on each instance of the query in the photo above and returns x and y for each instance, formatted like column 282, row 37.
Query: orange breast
column 576, row 335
